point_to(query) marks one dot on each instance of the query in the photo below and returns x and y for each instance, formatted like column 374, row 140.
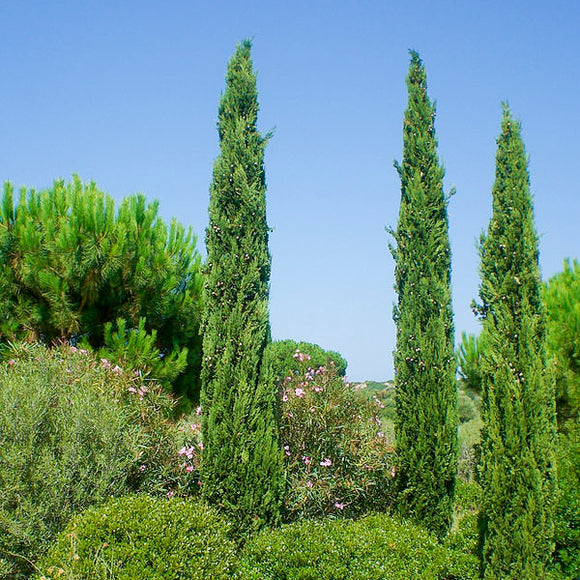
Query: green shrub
column 567, row 517
column 141, row 537
column 74, row 430
column 378, row 547
column 281, row 357
column 337, row 458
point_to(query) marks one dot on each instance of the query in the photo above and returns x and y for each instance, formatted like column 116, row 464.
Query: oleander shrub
column 74, row 430
column 338, row 461
column 145, row 538
column 376, row 547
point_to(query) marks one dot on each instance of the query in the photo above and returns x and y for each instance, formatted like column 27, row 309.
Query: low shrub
column 74, row 430
column 338, row 461
column 145, row 538
column 376, row 547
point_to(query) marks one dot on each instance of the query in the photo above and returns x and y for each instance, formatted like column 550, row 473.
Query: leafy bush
column 337, row 459
column 145, row 538
column 378, row 547
column 74, row 430
column 280, row 355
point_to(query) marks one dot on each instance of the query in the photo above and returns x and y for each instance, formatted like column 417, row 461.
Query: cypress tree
column 517, row 448
column 242, row 462
column 426, row 395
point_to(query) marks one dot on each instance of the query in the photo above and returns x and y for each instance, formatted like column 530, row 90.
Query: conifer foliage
column 426, row 397
column 242, row 462
column 517, row 449
column 73, row 265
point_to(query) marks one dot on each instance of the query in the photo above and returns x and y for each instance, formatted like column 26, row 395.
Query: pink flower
column 285, row 398
column 198, row 411
column 117, row 369
column 393, row 472
column 142, row 468
column 73, row 349
column 299, row 392
column 195, row 426
column 132, row 390
column 11, row 362
column 84, row 351
column 309, row 483
column 200, row 444
column 317, row 389
column 105, row 363
column 380, row 434
column 170, row 493
column 312, row 409
column 189, row 469
column 338, row 505
column 326, row 462
column 306, row 459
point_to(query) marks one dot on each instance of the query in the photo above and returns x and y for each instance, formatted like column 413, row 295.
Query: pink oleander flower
column 326, row 462
column 299, row 392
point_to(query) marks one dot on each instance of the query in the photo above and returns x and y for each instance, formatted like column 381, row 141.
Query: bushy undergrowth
column 338, row 461
column 74, row 430
column 145, row 538
column 376, row 547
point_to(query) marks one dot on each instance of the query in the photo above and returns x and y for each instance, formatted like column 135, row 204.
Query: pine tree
column 70, row 264
column 242, row 462
column 426, row 393
column 517, row 448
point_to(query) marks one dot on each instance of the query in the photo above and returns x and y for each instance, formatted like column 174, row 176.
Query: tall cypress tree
column 242, row 463
column 426, row 396
column 517, row 449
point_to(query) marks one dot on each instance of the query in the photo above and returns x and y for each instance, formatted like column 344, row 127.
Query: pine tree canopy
column 517, row 449
column 426, row 395
column 241, row 467
column 71, row 263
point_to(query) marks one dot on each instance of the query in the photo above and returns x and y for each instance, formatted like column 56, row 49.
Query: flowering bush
column 338, row 461
column 74, row 430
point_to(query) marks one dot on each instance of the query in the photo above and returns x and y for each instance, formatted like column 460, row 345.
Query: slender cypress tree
column 242, row 463
column 426, row 395
column 517, row 448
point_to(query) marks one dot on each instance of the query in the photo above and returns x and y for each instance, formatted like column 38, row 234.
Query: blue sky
column 125, row 93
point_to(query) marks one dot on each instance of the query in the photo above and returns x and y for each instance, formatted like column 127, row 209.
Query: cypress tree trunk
column 426, row 395
column 517, row 449
column 242, row 463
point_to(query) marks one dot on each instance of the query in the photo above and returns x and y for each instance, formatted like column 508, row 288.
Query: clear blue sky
column 125, row 93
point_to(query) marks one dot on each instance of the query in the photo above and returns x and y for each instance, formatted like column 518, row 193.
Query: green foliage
column 561, row 295
column 567, row 516
column 377, row 547
column 426, row 393
column 517, row 466
column 143, row 537
column 73, row 431
column 284, row 363
column 338, row 461
column 242, row 462
column 469, row 356
column 70, row 264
